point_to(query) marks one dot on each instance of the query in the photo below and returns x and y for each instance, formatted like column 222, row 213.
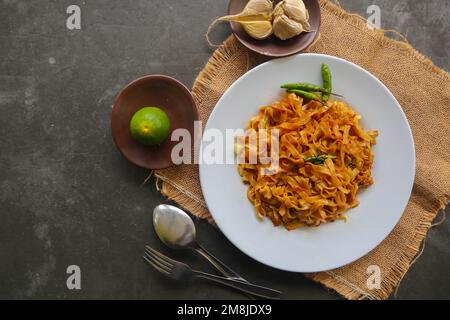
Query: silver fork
column 180, row 271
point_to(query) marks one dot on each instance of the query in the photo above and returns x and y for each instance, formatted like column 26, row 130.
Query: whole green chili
column 305, row 94
column 304, row 86
column 308, row 87
column 327, row 85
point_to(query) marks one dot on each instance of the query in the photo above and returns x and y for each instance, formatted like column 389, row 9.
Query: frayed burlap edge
column 328, row 279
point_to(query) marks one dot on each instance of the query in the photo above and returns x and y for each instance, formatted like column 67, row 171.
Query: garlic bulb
column 290, row 19
column 256, row 18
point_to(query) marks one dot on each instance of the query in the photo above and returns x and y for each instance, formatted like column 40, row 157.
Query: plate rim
column 411, row 141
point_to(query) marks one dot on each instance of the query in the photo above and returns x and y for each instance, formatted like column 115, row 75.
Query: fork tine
column 150, row 251
column 158, row 263
column 156, row 267
column 159, row 254
column 159, row 259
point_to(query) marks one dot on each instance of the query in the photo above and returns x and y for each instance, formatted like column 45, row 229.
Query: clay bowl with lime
column 144, row 115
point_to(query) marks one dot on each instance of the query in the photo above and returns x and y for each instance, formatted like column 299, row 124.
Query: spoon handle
column 219, row 265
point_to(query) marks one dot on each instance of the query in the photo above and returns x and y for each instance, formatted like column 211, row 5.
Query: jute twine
column 422, row 89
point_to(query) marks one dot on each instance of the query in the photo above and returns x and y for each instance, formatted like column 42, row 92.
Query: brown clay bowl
column 272, row 46
column 159, row 91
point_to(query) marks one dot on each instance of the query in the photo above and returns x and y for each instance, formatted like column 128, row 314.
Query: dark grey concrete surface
column 68, row 197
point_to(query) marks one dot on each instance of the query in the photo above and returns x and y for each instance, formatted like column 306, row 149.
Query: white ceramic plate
column 330, row 245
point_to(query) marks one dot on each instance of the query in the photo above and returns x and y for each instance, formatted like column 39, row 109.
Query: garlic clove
column 306, row 26
column 259, row 30
column 290, row 19
column 259, row 7
column 295, row 9
column 278, row 10
column 285, row 28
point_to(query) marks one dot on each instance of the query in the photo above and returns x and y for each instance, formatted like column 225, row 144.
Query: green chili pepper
column 304, row 86
column 326, row 78
column 305, row 94
column 319, row 160
column 308, row 87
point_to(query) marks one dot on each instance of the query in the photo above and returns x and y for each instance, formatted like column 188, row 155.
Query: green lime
column 150, row 126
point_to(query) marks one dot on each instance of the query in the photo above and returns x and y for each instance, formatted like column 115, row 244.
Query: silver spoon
column 176, row 229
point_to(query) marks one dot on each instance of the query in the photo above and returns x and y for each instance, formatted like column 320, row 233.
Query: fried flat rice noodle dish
column 325, row 157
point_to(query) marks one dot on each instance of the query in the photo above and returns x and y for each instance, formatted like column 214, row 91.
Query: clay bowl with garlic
column 273, row 46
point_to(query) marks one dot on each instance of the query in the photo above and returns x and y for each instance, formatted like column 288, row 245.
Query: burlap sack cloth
column 422, row 89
